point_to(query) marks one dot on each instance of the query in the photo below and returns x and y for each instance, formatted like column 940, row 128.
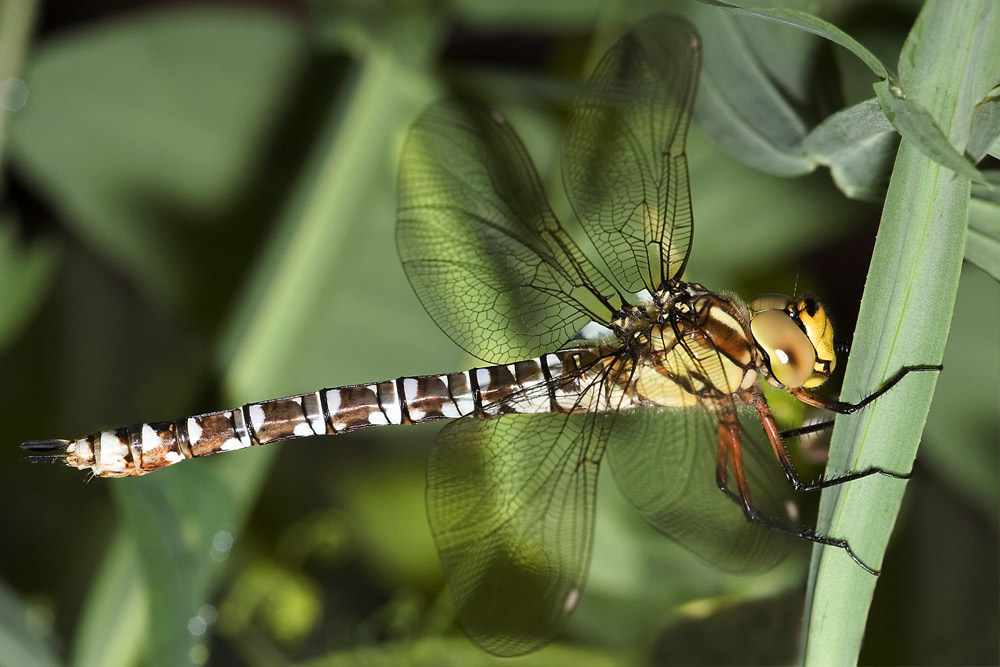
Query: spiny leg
column 840, row 407
column 774, row 435
column 730, row 451
column 807, row 430
column 846, row 408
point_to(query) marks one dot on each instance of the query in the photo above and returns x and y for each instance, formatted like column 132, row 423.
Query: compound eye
column 771, row 301
column 790, row 353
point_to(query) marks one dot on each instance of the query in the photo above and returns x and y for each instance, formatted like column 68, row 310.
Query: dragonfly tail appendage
column 56, row 446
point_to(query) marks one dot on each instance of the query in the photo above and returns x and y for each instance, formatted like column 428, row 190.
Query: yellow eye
column 791, row 355
column 778, row 324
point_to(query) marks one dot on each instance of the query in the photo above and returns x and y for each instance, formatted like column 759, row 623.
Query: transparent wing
column 664, row 462
column 511, row 506
column 623, row 160
column 483, row 251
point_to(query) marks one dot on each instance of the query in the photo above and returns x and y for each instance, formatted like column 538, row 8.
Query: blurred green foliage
column 199, row 211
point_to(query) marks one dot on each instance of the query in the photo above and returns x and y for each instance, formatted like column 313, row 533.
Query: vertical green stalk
column 950, row 60
column 17, row 17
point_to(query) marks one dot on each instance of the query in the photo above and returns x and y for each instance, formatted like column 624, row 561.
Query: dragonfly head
column 795, row 337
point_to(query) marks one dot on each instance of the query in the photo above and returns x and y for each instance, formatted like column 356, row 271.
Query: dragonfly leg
column 756, row 398
column 806, row 430
column 730, row 453
column 846, row 408
column 769, row 523
column 774, row 435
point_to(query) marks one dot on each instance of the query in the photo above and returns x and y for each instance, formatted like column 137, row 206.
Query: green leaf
column 990, row 191
column 715, row 114
column 26, row 272
column 857, row 144
column 283, row 321
column 139, row 130
column 985, row 127
column 960, row 441
column 951, row 56
column 982, row 248
column 20, row 643
column 178, row 519
column 913, row 122
column 118, row 599
column 813, row 24
column 741, row 105
column 909, row 118
column 16, row 24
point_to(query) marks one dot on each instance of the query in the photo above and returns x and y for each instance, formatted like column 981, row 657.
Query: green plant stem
column 17, row 17
column 946, row 65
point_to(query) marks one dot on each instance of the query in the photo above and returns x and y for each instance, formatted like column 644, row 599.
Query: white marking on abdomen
column 112, row 451
column 333, row 406
column 554, row 364
column 302, row 429
column 410, row 386
column 194, row 430
column 376, row 418
column 448, row 409
column 257, row 417
column 232, row 444
column 392, row 412
column 240, row 428
column 314, row 412
column 150, row 439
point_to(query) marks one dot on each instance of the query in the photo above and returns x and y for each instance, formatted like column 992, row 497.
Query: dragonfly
column 591, row 355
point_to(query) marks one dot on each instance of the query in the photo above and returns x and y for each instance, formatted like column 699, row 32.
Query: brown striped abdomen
column 545, row 384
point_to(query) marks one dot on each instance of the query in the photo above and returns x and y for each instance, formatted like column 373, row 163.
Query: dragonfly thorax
column 691, row 346
column 674, row 301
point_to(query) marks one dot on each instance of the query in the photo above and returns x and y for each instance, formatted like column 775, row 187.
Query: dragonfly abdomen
column 143, row 448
